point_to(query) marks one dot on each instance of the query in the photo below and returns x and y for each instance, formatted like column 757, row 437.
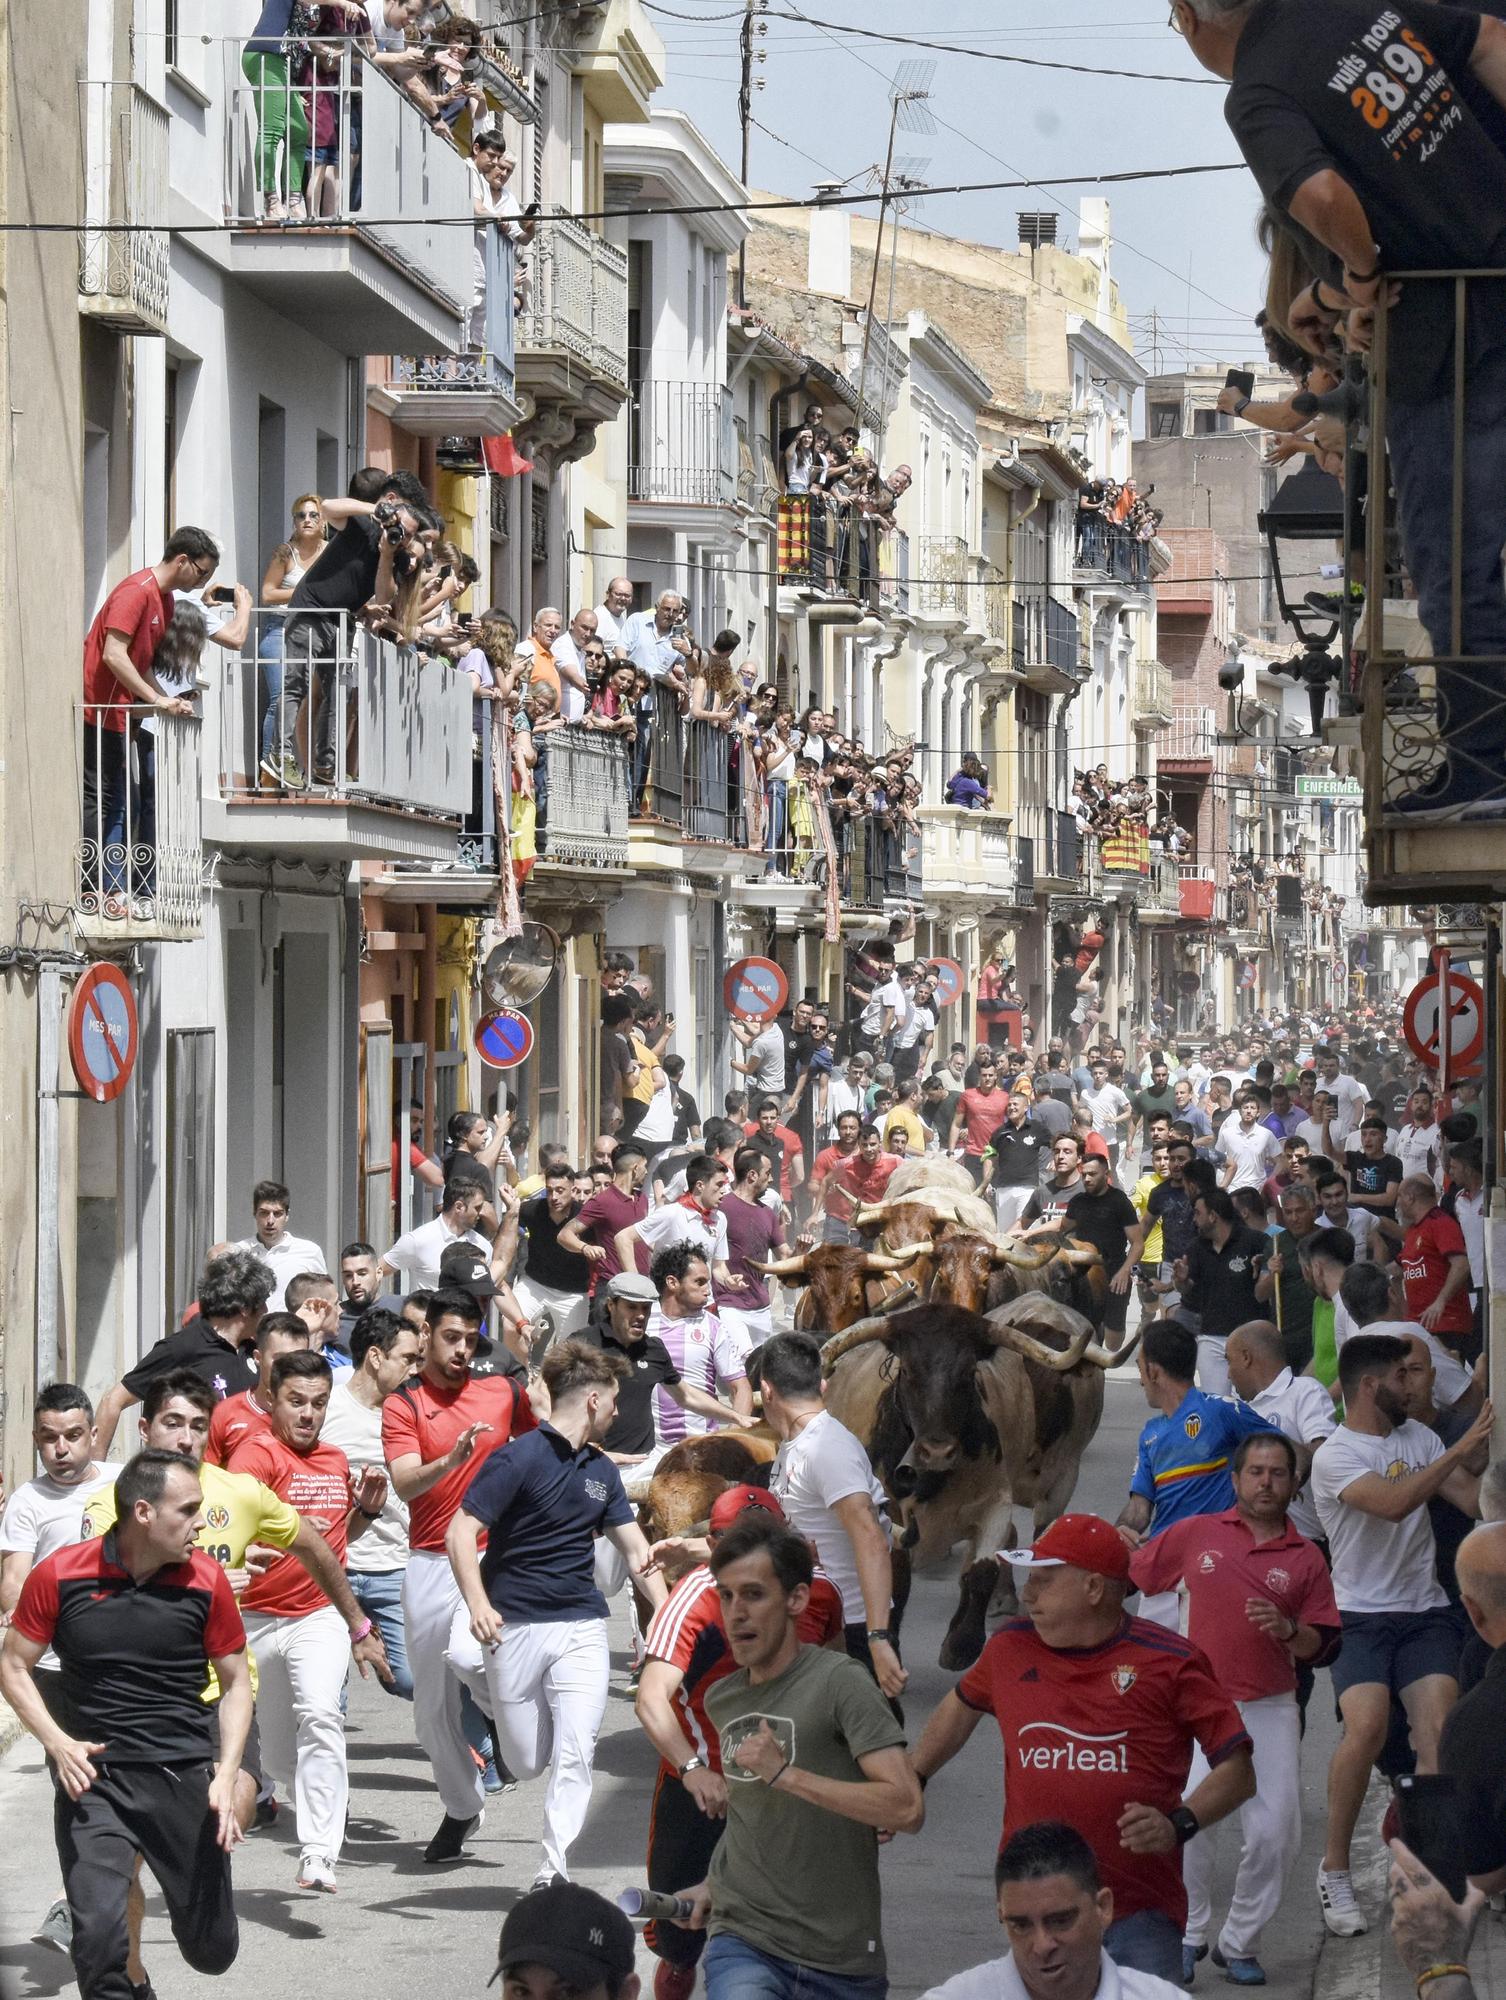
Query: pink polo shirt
column 1222, row 1565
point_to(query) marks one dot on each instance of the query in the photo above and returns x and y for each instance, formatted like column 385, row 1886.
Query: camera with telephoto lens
column 386, row 517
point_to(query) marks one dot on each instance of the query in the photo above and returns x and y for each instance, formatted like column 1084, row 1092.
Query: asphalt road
column 396, row 1927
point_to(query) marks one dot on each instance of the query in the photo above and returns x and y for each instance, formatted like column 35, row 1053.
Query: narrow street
column 399, row 1926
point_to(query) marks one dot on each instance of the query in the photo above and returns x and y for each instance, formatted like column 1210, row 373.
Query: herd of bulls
column 965, row 1362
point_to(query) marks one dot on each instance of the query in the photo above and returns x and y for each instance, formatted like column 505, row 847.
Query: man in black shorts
column 135, row 1616
column 1104, row 1216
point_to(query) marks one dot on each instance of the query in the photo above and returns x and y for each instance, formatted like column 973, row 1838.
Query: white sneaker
column 316, row 1871
column 1341, row 1912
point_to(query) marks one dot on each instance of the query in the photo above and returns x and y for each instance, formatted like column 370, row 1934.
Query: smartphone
column 1429, row 1813
column 1242, row 379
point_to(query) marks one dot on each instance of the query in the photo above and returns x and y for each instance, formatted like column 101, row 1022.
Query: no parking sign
column 755, row 989
column 504, row 1039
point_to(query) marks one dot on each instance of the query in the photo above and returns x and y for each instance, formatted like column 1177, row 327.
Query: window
column 1165, row 420
column 1209, row 423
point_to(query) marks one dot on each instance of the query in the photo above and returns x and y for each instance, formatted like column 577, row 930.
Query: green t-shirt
column 789, row 1878
column 1325, row 1363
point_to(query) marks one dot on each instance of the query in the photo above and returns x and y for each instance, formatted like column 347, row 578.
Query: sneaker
column 545, row 1879
column 673, row 1982
column 1191, row 1953
column 283, row 771
column 56, row 1928
column 1238, row 1971
column 316, row 1871
column 451, row 1838
column 324, row 771
column 266, row 1813
column 143, row 1990
column 1341, row 1912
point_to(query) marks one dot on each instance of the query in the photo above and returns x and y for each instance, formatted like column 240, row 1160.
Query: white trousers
column 302, row 1663
column 431, row 1597
column 749, row 1328
column 569, row 1309
column 548, row 1694
column 1009, row 1204
column 1212, row 1368
column 1270, row 1826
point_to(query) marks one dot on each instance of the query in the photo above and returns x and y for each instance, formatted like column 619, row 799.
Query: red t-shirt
column 599, row 1220
column 140, row 609
column 1095, row 1146
column 860, row 1181
column 825, row 1160
column 790, row 1151
column 1425, row 1251
column 315, row 1484
column 687, row 1632
column 1224, row 1566
column 1090, row 1731
column 421, row 1419
column 983, row 1113
column 236, row 1420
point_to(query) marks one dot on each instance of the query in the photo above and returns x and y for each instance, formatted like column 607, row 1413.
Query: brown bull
column 841, row 1282
column 688, row 1478
column 990, row 1270
column 964, row 1417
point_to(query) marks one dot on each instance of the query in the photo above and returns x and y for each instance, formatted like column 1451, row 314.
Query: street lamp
column 1308, row 507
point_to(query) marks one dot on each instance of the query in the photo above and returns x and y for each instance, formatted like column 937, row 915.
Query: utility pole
column 745, row 119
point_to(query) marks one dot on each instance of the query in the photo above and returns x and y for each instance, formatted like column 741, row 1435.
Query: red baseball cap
column 1077, row 1541
column 737, row 1500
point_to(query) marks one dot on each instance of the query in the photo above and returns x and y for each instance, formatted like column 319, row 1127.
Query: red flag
column 502, row 457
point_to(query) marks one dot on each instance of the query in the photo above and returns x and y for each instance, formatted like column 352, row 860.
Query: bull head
column 1007, row 1251
column 782, row 1267
column 1081, row 1347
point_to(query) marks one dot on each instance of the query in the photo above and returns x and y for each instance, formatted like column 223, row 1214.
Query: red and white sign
column 104, row 1036
column 754, row 989
column 948, row 980
column 504, row 1039
column 1446, row 1035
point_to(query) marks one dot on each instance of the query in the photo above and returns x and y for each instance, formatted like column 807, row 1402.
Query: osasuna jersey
column 1090, row 1731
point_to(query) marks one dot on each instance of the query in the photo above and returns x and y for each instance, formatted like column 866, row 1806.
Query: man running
column 556, row 1280
column 136, row 1617
column 704, row 1351
column 532, row 1599
column 248, row 1413
column 436, row 1430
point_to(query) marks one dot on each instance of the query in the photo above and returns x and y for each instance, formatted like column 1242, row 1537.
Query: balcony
column 966, row 856
column 942, row 589
column 1059, row 856
column 123, row 248
column 1024, row 870
column 692, row 795
column 877, row 865
column 1109, row 553
column 1117, row 866
column 572, row 338
column 990, row 609
column 1191, row 739
column 139, row 862
column 388, row 273
column 1162, row 903
column 617, row 53
column 400, row 781
column 894, row 571
column 586, row 828
column 1152, row 696
column 1197, row 893
column 824, row 552
column 468, row 395
column 682, row 446
column 1048, row 648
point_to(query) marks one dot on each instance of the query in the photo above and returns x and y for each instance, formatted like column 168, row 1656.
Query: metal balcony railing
column 1191, row 738
column 359, row 720
column 578, row 300
column 124, row 250
column 894, row 570
column 825, row 548
column 1063, row 637
column 587, row 819
column 682, row 447
column 991, row 607
column 1112, row 550
column 487, row 369
column 414, row 188
column 1152, row 687
column 942, row 588
column 139, row 862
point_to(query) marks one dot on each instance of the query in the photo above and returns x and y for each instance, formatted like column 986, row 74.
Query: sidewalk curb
column 1355, row 1968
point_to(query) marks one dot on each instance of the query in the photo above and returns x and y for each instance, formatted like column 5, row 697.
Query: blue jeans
column 1146, row 1941
column 379, row 1594
column 734, row 1970
column 106, row 782
column 269, row 658
column 1472, row 717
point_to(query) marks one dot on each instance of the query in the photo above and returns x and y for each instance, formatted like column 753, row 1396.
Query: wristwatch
column 1183, row 1824
column 696, row 1763
column 881, row 1634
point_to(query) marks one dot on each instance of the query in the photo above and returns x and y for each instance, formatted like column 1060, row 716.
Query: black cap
column 570, row 1930
column 464, row 1265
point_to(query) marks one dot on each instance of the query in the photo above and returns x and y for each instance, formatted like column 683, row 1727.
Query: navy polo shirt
column 543, row 1504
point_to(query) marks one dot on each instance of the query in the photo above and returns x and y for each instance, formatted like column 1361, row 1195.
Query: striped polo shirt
column 1183, row 1465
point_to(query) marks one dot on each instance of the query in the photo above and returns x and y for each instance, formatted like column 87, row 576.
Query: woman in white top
column 777, row 752
column 800, row 463
column 289, row 561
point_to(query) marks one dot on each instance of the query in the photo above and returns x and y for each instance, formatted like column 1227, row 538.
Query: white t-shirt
column 1469, row 1213
column 657, row 1125
column 44, row 1516
column 1450, row 1377
column 288, row 1257
column 822, row 1464
column 922, row 1022
column 358, row 1433
column 999, row 1979
column 1377, row 1565
column 1107, row 1107
column 844, row 1096
column 1359, row 1222
column 766, row 1053
column 889, row 996
column 1254, row 1153
column 1351, row 1099
column 674, row 1222
column 1420, row 1149
column 704, row 1351
column 609, row 629
column 1300, row 1406
column 572, row 698
column 418, row 1253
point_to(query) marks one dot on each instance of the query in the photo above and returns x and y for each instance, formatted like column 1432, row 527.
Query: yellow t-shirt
column 238, row 1511
column 641, row 1091
column 901, row 1114
column 1145, row 1187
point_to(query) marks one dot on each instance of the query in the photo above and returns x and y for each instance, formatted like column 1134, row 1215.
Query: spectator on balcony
column 380, row 516
column 776, row 756
column 289, row 561
column 614, row 705
column 613, row 614
column 799, row 462
column 175, row 668
column 569, row 654
column 968, row 784
column 330, row 81
column 392, row 49
column 443, row 89
column 538, row 715
column 278, row 47
column 495, row 206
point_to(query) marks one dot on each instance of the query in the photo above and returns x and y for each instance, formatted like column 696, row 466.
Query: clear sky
column 1184, row 250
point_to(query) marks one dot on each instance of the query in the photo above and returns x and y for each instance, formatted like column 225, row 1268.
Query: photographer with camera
column 381, row 514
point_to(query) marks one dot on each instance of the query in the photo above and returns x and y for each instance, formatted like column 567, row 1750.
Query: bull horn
column 783, row 1267
column 872, row 1216
column 1106, row 1357
column 1004, row 1335
column 878, row 1260
column 1004, row 1252
column 1079, row 1259
column 857, row 1335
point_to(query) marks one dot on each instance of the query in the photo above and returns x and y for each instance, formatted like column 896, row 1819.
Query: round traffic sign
column 754, row 989
column 504, row 1039
column 948, row 980
column 103, row 1032
column 1424, row 1021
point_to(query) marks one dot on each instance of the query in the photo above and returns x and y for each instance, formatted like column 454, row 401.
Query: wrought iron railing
column 124, row 248
column 941, row 591
column 991, row 601
column 1110, row 548
column 578, row 297
column 486, row 368
column 139, row 861
column 682, row 447
column 825, row 547
column 894, row 570
column 587, row 820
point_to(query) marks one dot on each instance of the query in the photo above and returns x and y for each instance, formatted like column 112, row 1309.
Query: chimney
column 1037, row 228
column 829, row 260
